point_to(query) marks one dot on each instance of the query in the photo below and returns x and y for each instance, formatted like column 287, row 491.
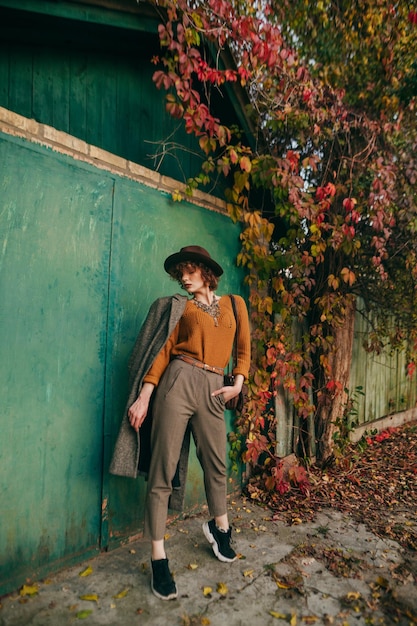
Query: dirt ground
column 343, row 555
column 375, row 483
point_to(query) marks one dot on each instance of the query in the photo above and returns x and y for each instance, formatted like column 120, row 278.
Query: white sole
column 208, row 535
column 172, row 596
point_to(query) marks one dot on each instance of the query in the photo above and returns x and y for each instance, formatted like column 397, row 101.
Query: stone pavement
column 328, row 571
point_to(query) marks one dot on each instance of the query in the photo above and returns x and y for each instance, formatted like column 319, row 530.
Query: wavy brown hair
column 207, row 274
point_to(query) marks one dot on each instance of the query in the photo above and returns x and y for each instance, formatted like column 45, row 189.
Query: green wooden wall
column 93, row 80
column 385, row 388
column 81, row 254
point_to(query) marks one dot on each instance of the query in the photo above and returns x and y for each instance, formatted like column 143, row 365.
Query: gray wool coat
column 160, row 322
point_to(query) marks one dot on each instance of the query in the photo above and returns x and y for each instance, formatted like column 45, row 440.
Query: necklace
column 212, row 309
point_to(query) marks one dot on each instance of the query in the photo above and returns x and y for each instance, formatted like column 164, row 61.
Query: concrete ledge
column 397, row 419
column 18, row 126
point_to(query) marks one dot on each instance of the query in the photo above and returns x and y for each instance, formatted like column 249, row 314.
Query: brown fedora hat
column 194, row 254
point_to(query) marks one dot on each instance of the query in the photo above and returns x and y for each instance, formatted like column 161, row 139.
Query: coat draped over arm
column 131, row 451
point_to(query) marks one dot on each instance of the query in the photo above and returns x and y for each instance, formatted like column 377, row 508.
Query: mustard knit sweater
column 198, row 336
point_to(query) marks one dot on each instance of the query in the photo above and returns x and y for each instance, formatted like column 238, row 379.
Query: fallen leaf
column 29, row 590
column 353, row 595
column 192, row 566
column 248, row 573
column 310, row 619
column 83, row 614
column 278, row 615
column 92, row 597
column 293, row 619
column 86, row 572
column 222, row 589
column 207, row 591
column 282, row 585
column 382, row 582
column 132, row 551
column 122, row 594
column 205, row 621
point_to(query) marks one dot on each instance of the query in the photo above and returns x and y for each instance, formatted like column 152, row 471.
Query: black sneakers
column 220, row 541
column 162, row 583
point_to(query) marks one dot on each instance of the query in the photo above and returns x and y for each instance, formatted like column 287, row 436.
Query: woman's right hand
column 139, row 409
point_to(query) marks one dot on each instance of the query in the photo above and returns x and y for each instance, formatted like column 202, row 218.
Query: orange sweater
column 196, row 335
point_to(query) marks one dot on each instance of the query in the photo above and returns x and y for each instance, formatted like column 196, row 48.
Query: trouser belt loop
column 200, row 364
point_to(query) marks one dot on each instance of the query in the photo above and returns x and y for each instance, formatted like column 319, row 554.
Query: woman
column 178, row 362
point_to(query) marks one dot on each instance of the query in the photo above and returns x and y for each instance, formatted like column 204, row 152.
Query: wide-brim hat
column 194, row 254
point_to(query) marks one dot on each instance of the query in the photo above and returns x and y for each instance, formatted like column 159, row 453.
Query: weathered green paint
column 55, row 247
column 81, row 256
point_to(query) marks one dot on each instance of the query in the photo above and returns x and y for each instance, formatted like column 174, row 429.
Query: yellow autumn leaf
column 192, row 566
column 348, row 276
column 248, row 573
column 332, row 281
column 353, row 595
column 86, row 572
column 278, row 615
column 83, row 614
column 245, row 164
column 205, row 621
column 310, row 619
column 122, row 594
column 29, row 590
column 222, row 589
column 167, row 536
column 282, row 585
column 92, row 597
column 207, row 591
column 293, row 619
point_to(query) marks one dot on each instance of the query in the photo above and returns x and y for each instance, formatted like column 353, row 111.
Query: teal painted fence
column 81, row 254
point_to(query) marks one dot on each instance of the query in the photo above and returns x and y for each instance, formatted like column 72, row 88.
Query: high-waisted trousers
column 183, row 397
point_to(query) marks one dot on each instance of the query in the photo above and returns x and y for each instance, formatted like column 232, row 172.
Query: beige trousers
column 183, row 397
